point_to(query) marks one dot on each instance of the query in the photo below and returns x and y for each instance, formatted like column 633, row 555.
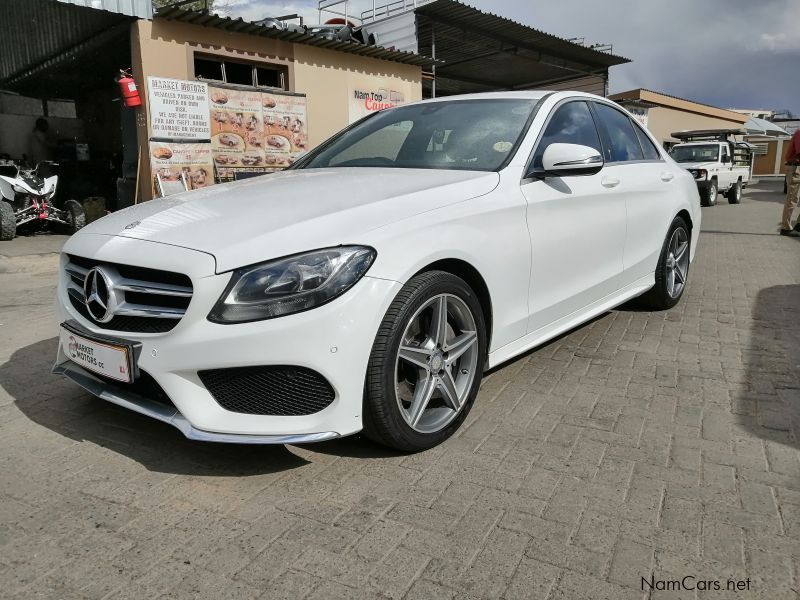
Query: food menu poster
column 255, row 131
column 174, row 162
column 178, row 109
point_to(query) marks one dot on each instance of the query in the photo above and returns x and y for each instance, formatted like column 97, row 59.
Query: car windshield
column 476, row 135
column 695, row 153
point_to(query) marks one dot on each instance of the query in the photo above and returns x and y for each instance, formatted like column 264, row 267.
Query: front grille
column 153, row 301
column 271, row 390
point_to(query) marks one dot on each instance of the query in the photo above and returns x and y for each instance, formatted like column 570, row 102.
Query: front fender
column 6, row 189
column 489, row 233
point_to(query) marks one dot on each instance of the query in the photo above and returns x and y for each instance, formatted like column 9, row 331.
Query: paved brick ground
column 643, row 444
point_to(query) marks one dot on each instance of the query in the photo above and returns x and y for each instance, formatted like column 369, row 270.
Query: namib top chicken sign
column 364, row 101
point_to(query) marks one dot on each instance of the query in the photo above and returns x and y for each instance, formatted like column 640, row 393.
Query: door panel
column 576, row 223
column 645, row 190
column 646, row 182
column 577, row 229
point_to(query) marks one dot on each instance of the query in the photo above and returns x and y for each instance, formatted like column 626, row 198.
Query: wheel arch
column 684, row 214
column 467, row 272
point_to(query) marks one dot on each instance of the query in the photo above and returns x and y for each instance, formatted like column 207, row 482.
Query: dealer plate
column 103, row 358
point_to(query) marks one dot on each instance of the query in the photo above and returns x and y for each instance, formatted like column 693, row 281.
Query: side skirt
column 542, row 335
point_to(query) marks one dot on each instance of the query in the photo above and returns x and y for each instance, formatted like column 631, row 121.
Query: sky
column 727, row 53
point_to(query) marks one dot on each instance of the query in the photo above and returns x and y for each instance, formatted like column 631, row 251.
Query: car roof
column 700, row 143
column 520, row 95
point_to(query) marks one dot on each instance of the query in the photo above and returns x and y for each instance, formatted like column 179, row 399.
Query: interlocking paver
column 642, row 444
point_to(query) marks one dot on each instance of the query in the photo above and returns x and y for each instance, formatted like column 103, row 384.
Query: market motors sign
column 178, row 109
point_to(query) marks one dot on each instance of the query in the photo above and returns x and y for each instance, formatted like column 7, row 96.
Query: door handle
column 609, row 182
column 667, row 176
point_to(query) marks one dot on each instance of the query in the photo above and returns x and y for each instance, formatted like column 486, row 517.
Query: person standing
column 793, row 191
column 40, row 145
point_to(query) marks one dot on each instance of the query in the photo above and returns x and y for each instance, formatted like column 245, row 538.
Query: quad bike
column 26, row 201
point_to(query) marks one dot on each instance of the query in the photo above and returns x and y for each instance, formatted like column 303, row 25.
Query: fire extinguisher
column 127, row 87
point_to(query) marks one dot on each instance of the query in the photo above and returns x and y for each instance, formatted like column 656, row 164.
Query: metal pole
column 433, row 56
column 373, row 10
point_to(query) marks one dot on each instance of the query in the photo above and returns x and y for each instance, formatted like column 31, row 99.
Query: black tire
column 76, row 217
column 710, row 196
column 383, row 421
column 658, row 298
column 8, row 222
column 735, row 193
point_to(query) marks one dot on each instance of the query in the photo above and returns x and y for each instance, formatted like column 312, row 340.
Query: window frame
column 528, row 173
column 222, row 59
column 536, row 106
column 643, row 131
column 604, row 136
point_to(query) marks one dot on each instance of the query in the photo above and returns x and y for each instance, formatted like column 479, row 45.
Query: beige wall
column 163, row 48
column 328, row 79
column 662, row 121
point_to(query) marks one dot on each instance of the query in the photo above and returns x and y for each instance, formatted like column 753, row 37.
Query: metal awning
column 50, row 47
column 758, row 126
column 241, row 26
column 483, row 51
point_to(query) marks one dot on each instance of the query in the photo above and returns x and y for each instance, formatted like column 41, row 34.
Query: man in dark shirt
column 793, row 192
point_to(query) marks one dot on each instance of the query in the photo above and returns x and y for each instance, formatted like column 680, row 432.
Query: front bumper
column 117, row 394
column 334, row 340
column 702, row 185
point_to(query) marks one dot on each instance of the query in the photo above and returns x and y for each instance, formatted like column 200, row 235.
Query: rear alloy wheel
column 672, row 272
column 426, row 365
column 735, row 193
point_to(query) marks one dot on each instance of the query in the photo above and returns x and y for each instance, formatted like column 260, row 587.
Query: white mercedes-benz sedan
column 370, row 285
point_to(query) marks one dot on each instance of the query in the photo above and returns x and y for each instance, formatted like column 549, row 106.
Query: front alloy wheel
column 436, row 363
column 426, row 363
column 711, row 194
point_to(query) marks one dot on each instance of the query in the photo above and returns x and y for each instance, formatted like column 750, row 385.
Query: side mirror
column 725, row 159
column 561, row 160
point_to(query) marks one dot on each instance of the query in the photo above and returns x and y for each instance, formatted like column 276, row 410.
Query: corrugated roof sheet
column 241, row 26
column 34, row 31
column 458, row 14
column 133, row 8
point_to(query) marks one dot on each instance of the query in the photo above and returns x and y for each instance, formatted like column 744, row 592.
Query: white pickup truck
column 716, row 166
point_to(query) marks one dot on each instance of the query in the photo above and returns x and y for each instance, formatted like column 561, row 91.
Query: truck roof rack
column 717, row 135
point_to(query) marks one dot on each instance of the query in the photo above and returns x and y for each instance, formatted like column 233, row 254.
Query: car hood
column 291, row 211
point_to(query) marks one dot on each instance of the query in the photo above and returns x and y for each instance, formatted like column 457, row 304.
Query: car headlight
column 290, row 285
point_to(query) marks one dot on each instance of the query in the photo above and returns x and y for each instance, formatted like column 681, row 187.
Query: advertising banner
column 254, row 131
column 366, row 99
column 285, row 131
column 181, row 166
column 178, row 109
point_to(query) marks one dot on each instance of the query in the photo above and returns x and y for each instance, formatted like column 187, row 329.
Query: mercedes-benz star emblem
column 132, row 225
column 97, row 290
